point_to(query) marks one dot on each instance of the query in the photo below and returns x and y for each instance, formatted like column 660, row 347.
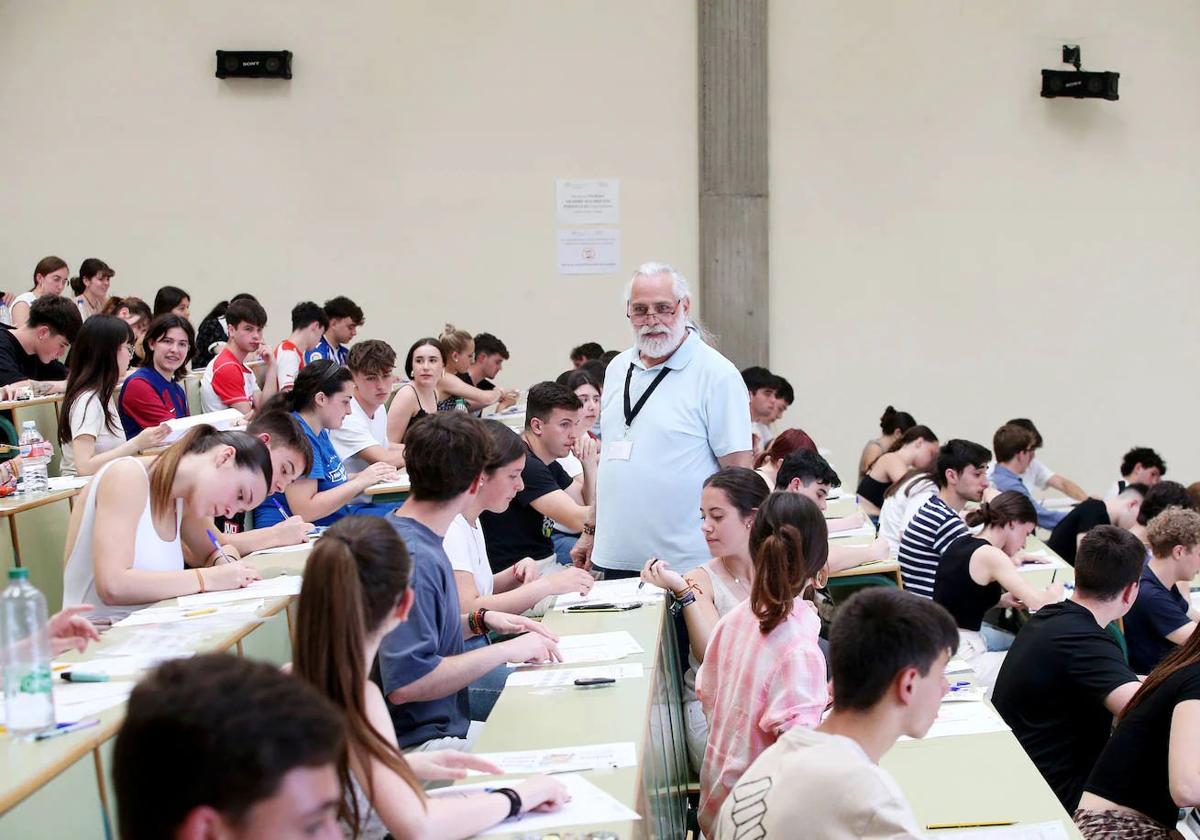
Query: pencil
column 940, row 826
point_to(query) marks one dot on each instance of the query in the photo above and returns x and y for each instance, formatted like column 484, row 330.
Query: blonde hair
column 1174, row 526
column 455, row 340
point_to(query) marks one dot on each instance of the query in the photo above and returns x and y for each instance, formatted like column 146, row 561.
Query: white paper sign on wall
column 589, row 251
column 588, row 202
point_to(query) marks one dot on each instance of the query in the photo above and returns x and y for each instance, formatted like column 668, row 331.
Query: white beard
column 661, row 343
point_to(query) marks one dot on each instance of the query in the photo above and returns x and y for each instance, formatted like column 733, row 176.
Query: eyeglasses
column 640, row 311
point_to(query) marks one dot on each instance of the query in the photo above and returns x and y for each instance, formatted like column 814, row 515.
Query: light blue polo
column 649, row 505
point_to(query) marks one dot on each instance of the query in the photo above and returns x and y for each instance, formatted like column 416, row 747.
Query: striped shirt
column 927, row 536
column 753, row 688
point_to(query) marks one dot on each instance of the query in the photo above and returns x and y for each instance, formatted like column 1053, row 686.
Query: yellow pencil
column 194, row 613
column 941, row 826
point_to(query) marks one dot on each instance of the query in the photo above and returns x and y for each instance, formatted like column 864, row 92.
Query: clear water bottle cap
column 18, row 574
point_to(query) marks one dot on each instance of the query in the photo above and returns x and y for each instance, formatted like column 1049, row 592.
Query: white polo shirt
column 649, row 504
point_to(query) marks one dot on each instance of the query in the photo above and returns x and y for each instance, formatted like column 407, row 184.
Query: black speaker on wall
column 254, row 64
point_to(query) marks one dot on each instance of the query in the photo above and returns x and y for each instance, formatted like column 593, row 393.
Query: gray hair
column 679, row 283
column 679, row 288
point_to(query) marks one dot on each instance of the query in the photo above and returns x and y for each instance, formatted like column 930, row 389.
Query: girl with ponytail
column 320, row 401
column 91, row 287
column 356, row 591
column 763, row 670
column 124, row 547
column 977, row 573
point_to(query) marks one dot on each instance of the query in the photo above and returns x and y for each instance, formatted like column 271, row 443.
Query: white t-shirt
column 899, row 509
column 87, row 418
column 825, row 783
column 467, row 551
column 358, row 432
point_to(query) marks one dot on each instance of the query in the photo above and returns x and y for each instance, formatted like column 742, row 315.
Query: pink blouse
column 753, row 688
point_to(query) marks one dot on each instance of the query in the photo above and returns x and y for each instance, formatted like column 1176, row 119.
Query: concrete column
column 733, row 177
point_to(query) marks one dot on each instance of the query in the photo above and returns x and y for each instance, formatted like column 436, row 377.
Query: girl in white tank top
column 124, row 547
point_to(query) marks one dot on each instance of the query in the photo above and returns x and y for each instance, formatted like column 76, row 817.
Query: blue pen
column 279, row 508
column 212, row 538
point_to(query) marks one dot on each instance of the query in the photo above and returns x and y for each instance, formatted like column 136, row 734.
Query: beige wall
column 945, row 240
column 942, row 238
column 410, row 163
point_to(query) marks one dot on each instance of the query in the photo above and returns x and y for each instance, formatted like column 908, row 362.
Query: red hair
column 788, row 442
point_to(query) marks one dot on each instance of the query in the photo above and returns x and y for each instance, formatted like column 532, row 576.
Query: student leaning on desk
column 124, row 546
column 29, row 354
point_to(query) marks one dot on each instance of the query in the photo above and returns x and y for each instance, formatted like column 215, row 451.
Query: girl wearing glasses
column 320, row 401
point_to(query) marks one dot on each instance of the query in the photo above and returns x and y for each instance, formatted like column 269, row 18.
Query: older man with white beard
column 673, row 412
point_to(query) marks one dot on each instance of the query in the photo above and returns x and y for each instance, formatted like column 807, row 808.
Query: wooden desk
column 10, row 506
column 27, row 768
column 15, row 405
column 645, row 711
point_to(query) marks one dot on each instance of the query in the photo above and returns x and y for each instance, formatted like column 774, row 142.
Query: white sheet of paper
column 966, row 694
column 544, row 678
column 156, row 644
column 622, row 591
column 589, row 805
column 112, row 666
column 864, row 530
column 564, row 759
column 589, row 250
column 965, row 719
column 1033, row 831
column 238, row 611
column 75, row 701
column 68, row 482
column 220, row 420
column 1048, row 562
column 593, row 647
column 276, row 587
column 285, row 549
column 957, row 666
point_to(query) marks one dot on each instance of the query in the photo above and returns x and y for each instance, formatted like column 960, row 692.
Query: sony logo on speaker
column 251, row 63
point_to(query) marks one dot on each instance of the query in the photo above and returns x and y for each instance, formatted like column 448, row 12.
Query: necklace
column 732, row 576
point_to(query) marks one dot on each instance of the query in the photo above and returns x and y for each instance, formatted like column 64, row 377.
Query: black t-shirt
column 16, row 365
column 1158, row 611
column 1132, row 771
column 521, row 531
column 1051, row 691
column 1082, row 518
column 954, row 589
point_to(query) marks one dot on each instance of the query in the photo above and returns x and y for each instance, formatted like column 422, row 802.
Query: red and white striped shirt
column 753, row 688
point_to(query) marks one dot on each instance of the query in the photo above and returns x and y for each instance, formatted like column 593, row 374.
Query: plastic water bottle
column 460, row 404
column 35, row 455
column 28, row 701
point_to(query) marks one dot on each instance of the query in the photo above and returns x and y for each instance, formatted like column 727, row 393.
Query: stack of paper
column 1043, row 561
column 594, row 647
column 156, row 644
column 276, row 587
column 616, row 592
column 588, row 805
column 400, row 484
column 564, row 759
column 546, row 678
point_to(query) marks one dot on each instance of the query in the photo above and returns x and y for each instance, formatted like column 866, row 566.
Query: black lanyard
column 632, row 413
